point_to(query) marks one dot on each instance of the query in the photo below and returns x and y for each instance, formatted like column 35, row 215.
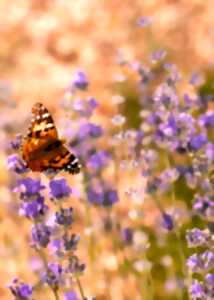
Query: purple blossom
column 70, row 242
column 21, row 290
column 95, row 196
column 85, row 108
column 16, row 143
column 80, row 80
column 33, row 208
column 70, row 295
column 197, row 142
column 198, row 238
column 64, row 216
column 16, row 164
column 210, row 279
column 54, row 275
column 158, row 55
column 41, row 234
column 110, row 197
column 204, row 206
column 59, row 188
column 196, row 290
column 167, row 221
column 127, row 235
column 74, row 265
column 98, row 160
column 207, row 119
column 29, row 187
column 87, row 130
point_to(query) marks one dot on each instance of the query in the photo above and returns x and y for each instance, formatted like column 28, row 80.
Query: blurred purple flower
column 207, row 119
column 16, row 143
column 144, row 21
column 85, row 108
column 167, row 221
column 54, row 275
column 95, row 196
column 210, row 279
column 127, row 235
column 16, row 164
column 197, row 142
column 64, row 216
column 41, row 234
column 158, row 55
column 87, row 130
column 197, row 237
column 70, row 242
column 80, row 80
column 98, row 160
column 29, row 187
column 70, row 295
column 75, row 266
column 59, row 188
column 110, row 197
column 204, row 206
column 196, row 290
column 33, row 208
column 21, row 290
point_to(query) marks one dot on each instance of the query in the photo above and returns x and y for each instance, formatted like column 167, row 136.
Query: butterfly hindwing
column 42, row 149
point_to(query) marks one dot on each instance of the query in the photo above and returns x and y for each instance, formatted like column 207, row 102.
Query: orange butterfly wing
column 42, row 149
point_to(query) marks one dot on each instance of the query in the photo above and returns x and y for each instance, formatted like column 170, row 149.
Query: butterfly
column 42, row 150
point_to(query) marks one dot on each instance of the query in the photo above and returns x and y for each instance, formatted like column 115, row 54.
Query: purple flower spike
column 64, row 216
column 16, row 143
column 196, row 290
column 167, row 221
column 59, row 188
column 95, row 196
column 198, row 141
column 21, row 290
column 99, row 160
column 110, row 198
column 80, row 80
column 70, row 295
column 127, row 235
column 29, row 187
column 34, row 208
column 54, row 275
column 16, row 164
column 41, row 235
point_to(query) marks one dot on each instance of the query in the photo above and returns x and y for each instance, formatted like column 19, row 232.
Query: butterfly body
column 42, row 149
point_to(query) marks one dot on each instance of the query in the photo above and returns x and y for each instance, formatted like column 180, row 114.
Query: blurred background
column 42, row 42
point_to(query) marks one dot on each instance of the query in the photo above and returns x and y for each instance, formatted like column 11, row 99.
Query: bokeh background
column 42, row 42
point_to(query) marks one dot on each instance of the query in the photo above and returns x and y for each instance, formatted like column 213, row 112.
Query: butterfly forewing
column 42, row 149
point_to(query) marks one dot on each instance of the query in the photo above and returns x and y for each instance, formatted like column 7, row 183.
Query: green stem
column 56, row 295
column 80, row 287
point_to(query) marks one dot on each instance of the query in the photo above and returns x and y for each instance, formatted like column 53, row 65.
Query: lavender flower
column 41, row 234
column 198, row 238
column 70, row 295
column 127, row 235
column 54, row 275
column 33, row 208
column 64, row 216
column 29, row 187
column 80, row 80
column 59, row 188
column 167, row 221
column 16, row 164
column 21, row 291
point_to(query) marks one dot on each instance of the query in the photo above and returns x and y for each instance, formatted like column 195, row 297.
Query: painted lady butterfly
column 42, row 149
